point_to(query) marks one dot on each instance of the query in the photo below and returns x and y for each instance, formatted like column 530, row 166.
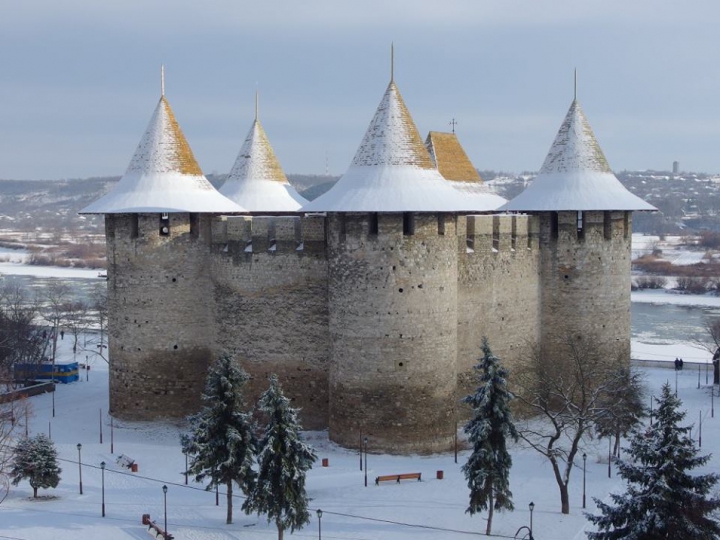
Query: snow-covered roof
column 163, row 176
column 455, row 166
column 256, row 181
column 576, row 175
column 392, row 170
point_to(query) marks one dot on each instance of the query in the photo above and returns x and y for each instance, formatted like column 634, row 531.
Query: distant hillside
column 686, row 200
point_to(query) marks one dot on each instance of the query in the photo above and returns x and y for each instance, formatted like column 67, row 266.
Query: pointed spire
column 162, row 80
column 575, row 175
column 392, row 62
column 575, row 87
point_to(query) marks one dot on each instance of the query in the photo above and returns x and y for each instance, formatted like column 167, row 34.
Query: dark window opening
column 441, row 224
column 373, row 225
column 607, row 225
column 626, row 225
column 134, row 226
column 194, row 225
column 408, row 223
column 554, row 225
column 343, row 228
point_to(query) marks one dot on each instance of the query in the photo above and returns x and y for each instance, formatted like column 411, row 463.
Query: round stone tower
column 392, row 289
column 585, row 234
column 161, row 326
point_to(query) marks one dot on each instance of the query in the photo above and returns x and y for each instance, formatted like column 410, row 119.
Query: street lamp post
column 186, row 467
column 584, row 472
column 164, row 488
column 532, row 507
column 365, row 441
column 361, row 450
column 100, row 419
column 112, row 436
column 79, row 447
column 609, row 457
column 102, row 469
column 319, row 515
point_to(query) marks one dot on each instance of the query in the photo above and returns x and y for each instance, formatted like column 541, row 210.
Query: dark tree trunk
column 564, row 499
column 229, row 503
column 281, row 531
column 35, row 492
column 490, row 514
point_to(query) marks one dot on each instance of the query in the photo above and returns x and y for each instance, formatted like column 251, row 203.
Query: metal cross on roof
column 452, row 123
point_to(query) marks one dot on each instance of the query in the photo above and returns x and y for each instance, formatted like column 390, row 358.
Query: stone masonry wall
column 159, row 327
column 393, row 328
column 586, row 280
column 270, row 276
column 498, row 290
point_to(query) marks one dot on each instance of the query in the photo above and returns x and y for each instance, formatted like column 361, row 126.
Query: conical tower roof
column 256, row 181
column 455, row 166
column 576, row 176
column 392, row 170
column 163, row 176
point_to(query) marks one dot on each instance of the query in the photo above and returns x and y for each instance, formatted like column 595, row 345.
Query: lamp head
column 79, row 446
column 319, row 513
column 164, row 489
column 532, row 506
column 584, row 456
column 365, row 440
column 102, row 464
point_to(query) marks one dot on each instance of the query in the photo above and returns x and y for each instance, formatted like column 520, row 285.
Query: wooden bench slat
column 398, row 477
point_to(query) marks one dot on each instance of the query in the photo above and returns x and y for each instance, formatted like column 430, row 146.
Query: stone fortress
column 371, row 301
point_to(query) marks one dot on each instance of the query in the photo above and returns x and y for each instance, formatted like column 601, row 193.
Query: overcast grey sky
column 79, row 79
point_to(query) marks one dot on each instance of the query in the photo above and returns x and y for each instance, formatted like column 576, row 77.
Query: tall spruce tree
column 221, row 444
column 36, row 459
column 284, row 460
column 662, row 500
column 488, row 468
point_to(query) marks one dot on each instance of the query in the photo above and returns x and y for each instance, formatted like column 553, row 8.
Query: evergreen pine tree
column 35, row 458
column 284, row 459
column 662, row 500
column 221, row 443
column 488, row 468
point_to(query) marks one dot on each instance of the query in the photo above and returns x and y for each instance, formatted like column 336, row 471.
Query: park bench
column 397, row 477
column 154, row 529
column 127, row 462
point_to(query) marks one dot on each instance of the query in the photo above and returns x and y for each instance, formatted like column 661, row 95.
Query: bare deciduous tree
column 564, row 397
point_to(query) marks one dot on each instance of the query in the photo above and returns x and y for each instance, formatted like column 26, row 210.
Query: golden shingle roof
column 450, row 157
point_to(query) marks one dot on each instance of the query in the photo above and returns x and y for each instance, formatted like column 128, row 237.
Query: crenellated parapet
column 272, row 235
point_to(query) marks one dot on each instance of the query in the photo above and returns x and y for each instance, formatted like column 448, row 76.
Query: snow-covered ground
column 431, row 509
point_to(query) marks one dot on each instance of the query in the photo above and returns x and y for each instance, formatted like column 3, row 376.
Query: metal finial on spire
column 256, row 104
column 392, row 61
column 162, row 80
column 575, row 87
column 453, row 123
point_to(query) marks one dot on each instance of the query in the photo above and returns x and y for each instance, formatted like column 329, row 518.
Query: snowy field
column 431, row 509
